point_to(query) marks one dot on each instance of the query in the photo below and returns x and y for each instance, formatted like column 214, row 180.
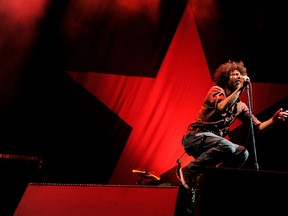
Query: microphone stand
column 251, row 125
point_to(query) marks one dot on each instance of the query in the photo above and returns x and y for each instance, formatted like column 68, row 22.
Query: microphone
column 247, row 79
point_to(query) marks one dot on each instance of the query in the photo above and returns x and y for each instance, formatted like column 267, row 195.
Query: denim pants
column 210, row 150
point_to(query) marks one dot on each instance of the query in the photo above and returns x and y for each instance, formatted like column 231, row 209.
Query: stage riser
column 242, row 192
column 222, row 192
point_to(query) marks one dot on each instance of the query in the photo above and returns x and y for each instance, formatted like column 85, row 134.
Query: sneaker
column 186, row 177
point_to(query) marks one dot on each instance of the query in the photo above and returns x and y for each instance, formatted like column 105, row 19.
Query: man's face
column 234, row 80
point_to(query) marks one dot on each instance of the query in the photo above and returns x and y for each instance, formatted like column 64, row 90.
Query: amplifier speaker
column 242, row 192
column 16, row 172
column 101, row 200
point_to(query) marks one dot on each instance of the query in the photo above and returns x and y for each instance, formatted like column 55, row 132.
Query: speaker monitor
column 101, row 200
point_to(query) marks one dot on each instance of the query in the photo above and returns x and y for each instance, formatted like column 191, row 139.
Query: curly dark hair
column 222, row 73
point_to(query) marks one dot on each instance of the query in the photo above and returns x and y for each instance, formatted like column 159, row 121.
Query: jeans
column 209, row 149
